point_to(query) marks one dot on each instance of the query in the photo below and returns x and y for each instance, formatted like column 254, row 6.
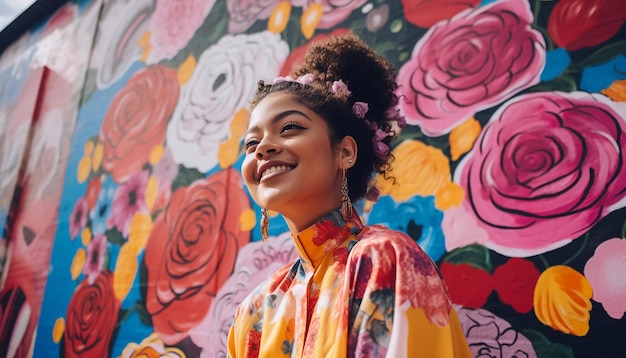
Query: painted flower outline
column 223, row 82
column 469, row 63
column 552, row 188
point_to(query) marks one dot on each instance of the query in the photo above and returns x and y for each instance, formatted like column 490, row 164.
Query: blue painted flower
column 597, row 78
column 101, row 212
column 557, row 61
column 416, row 217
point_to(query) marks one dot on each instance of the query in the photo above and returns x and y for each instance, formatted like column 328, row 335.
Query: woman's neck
column 298, row 223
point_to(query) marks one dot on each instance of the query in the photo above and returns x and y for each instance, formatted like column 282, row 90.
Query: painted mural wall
column 127, row 230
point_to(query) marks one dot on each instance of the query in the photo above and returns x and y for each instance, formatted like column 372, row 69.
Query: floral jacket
column 355, row 291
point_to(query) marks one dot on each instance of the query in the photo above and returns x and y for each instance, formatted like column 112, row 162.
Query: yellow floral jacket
column 355, row 291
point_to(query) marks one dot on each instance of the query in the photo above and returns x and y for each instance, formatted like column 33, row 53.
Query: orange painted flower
column 422, row 170
column 151, row 347
column 616, row 91
column 562, row 300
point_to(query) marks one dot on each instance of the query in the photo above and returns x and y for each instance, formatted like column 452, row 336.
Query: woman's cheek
column 248, row 169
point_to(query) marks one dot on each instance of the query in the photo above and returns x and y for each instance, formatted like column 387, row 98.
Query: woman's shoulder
column 388, row 245
column 383, row 238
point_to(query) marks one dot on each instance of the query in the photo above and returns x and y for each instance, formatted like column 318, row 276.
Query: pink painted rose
column 244, row 13
column 173, row 24
column 546, row 168
column 490, row 336
column 605, row 271
column 335, row 11
column 469, row 63
column 255, row 263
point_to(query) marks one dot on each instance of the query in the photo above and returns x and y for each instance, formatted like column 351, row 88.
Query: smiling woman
column 313, row 143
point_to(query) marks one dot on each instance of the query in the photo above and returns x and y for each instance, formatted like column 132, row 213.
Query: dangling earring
column 264, row 224
column 346, row 204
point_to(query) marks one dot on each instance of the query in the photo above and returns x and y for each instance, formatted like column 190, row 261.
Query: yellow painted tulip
column 562, row 300
column 85, row 236
column 88, row 147
column 152, row 191
column 185, row 70
column 228, row 152
column 156, row 154
column 98, row 154
column 140, row 228
column 448, row 196
column 84, row 169
column 279, row 18
column 125, row 271
column 78, row 263
column 58, row 329
column 247, row 220
column 310, row 18
column 419, row 169
column 462, row 138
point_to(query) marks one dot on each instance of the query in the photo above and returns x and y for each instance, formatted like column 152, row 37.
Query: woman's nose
column 265, row 148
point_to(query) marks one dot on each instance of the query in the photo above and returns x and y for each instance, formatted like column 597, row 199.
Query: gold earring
column 346, row 204
column 264, row 224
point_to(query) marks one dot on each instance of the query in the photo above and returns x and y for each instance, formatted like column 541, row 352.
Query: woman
column 312, row 146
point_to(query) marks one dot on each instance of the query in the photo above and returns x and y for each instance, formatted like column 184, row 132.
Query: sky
column 10, row 9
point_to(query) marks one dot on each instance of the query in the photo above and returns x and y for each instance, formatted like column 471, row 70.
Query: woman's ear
column 348, row 151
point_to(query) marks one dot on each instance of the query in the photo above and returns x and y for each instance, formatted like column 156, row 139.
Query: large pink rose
column 547, row 167
column 471, row 62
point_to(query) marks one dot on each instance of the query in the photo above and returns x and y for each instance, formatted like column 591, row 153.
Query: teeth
column 275, row 169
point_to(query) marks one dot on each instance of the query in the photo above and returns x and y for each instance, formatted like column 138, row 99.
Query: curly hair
column 370, row 78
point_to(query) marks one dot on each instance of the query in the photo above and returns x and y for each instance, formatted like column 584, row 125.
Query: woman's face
column 290, row 165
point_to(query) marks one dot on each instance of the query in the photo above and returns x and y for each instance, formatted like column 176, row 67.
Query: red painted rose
column 575, row 24
column 515, row 283
column 191, row 252
column 296, row 57
column 136, row 120
column 91, row 318
column 426, row 13
column 467, row 285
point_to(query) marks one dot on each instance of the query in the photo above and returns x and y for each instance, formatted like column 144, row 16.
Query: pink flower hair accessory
column 380, row 149
column 394, row 114
column 305, row 79
column 340, row 89
column 360, row 109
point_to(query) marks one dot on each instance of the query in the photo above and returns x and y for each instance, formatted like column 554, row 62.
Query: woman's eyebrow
column 280, row 116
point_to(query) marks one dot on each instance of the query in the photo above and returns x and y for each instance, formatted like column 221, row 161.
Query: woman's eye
column 250, row 143
column 291, row 125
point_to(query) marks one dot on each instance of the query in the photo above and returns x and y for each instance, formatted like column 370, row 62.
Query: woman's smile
column 272, row 170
